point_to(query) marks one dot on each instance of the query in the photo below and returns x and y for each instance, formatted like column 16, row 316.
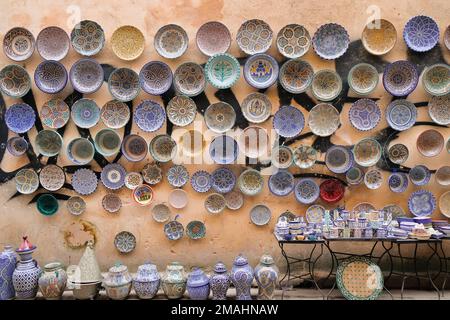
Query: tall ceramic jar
column 242, row 277
column 198, row 285
column 174, row 281
column 26, row 276
column 7, row 266
column 220, row 282
column 146, row 282
column 266, row 275
column 118, row 282
column 53, row 281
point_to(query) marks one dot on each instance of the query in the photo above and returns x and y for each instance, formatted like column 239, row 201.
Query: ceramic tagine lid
column 25, row 246
column 240, row 261
column 267, row 260
column 118, row 275
column 88, row 270
column 174, row 273
column 147, row 273
column 197, row 278
column 220, row 267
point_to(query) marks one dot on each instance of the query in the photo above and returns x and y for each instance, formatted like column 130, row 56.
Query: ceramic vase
column 118, row 282
column 26, row 276
column 219, row 282
column 7, row 266
column 174, row 281
column 198, row 285
column 266, row 275
column 242, row 277
column 53, row 281
column 146, row 282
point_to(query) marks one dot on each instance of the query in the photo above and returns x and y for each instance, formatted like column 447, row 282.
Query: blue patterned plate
column 113, row 176
column 307, row 191
column 50, row 76
column 339, row 159
column 315, row 213
column 260, row 215
column 123, row 84
column 364, row 114
column 84, row 181
column 174, row 230
column 223, row 149
column 281, row 183
column 288, row 121
column 14, row 81
column 85, row 113
column 177, row 176
column 261, row 71
column 86, row 75
column 296, row 76
column 223, row 180
column 401, row 114
column 330, row 41
column 420, row 175
column 421, row 33
column 398, row 182
column 20, row 117
column 155, row 78
column 201, row 181
column 400, row 78
column 149, row 116
column 422, row 203
column 222, row 71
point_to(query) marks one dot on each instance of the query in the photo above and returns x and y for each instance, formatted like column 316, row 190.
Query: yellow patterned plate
column 379, row 37
column 128, row 43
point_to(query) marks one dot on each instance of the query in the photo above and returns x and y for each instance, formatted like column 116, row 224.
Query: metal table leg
column 433, row 247
column 445, row 267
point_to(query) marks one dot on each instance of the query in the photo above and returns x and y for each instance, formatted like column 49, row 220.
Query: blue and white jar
column 242, row 277
column 26, row 276
column 118, row 282
column 7, row 266
column 198, row 285
column 219, row 282
column 266, row 275
column 146, row 281
column 173, row 281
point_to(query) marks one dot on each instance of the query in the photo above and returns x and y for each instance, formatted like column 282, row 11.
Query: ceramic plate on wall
column 181, row 111
column 123, row 84
column 143, row 195
column 134, row 148
column 421, row 203
column 86, row 75
column 363, row 207
column 439, row 109
column 112, row 203
column 293, row 41
column 178, row 198
column 113, row 176
column 282, row 157
column 250, row 182
column 27, row 181
column 442, row 175
column 50, row 77
column 222, row 71
column 447, row 37
column 215, row 203
column 84, row 181
column 305, row 156
column 47, row 204
column 152, row 174
column 393, row 211
column 107, row 142
column 80, row 151
column 48, row 143
column 254, row 36
column 400, row 78
column 379, row 37
column 174, row 230
column 220, row 117
column 14, row 81
column 296, row 76
column 133, row 180
column 419, row 175
column 315, row 213
column 324, row 119
column 363, row 78
column 149, row 116
column 201, row 181
column 17, row 146
column 373, row 179
column 53, row 43
column 223, row 180
column 115, row 114
column 326, row 85
column 398, row 182
column 281, row 183
column 401, row 114
column 332, row 191
column 260, row 215
column 171, row 41
column 76, row 205
column 161, row 213
column 127, row 43
column 20, row 117
column 213, row 37
column 430, row 143
column 364, row 114
column 163, row 148
column 125, row 242
column 234, row 200
column 196, row 230
column 354, row 176
column 444, row 204
column 339, row 159
column 88, row 38
column 436, row 79
column 55, row 113
column 288, row 121
column 189, row 79
column 421, row 33
column 223, row 149
column 177, row 176
column 155, row 77
column 256, row 107
column 261, row 71
column 18, row 44
column 330, row 41
column 306, row 191
column 398, row 153
column 367, row 152
column 85, row 113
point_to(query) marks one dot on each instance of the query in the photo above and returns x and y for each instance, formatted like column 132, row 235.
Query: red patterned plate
column 332, row 191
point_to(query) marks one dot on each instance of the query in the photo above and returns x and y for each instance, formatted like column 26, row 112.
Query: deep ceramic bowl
column 326, row 85
column 420, row 175
column 20, row 117
column 222, row 71
column 155, row 78
column 107, row 142
column 47, row 204
column 171, row 41
column 50, row 76
column 212, row 38
column 324, row 119
column 115, row 114
column 149, row 116
column 293, row 41
column 254, row 36
column 438, row 109
column 189, row 79
column 86, row 75
column 14, row 81
column 220, row 117
column 17, row 146
column 223, row 149
column 80, row 151
column 421, row 33
column 296, row 76
column 363, row 78
column 250, row 182
column 436, row 79
column 127, row 43
column 53, row 43
column 379, row 37
column 163, row 148
column 85, row 113
column 330, row 41
column 134, row 148
column 367, row 152
column 261, row 71
column 88, row 38
column 18, row 44
column 400, row 78
column 123, row 84
column 430, row 143
column 48, row 143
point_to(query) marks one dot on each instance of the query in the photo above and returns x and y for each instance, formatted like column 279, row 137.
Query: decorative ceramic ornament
column 80, row 151
column 296, row 76
column 52, row 177
column 20, row 117
column 324, row 119
column 373, row 179
column 430, row 143
column 18, row 44
column 152, row 174
column 439, row 109
column 123, row 84
column 17, row 146
column 14, row 81
column 330, row 41
column 113, row 176
column 27, row 181
column 293, row 41
column 254, row 36
column 84, row 181
column 161, row 213
column 326, row 85
column 177, row 176
column 281, row 183
column 436, row 79
column 134, row 148
column 223, row 180
column 86, row 75
column 256, row 107
column 421, row 33
column 115, row 114
column 354, row 176
column 48, row 143
column 400, row 78
column 125, row 242
column 107, row 142
column 201, row 181
column 50, row 76
column 442, row 175
column 364, row 114
column 419, row 175
column 163, row 148
column 288, row 121
column 143, row 195
column 421, row 203
column 282, row 157
column 401, row 114
column 234, row 200
column 367, row 152
column 171, row 41
column 215, row 203
column 155, row 78
column 250, row 182
column 223, row 149
column 112, row 203
column 398, row 153
column 339, row 159
column 315, row 213
column 220, row 117
column 306, row 191
column 149, row 116
column 379, row 37
column 260, row 215
column 196, row 230
column 85, row 113
column 53, row 43
column 76, row 205
column 189, row 79
column 127, row 43
column 222, row 71
column 55, row 113
column 174, row 230
column 178, row 198
column 332, row 191
column 261, row 71
column 181, row 111
column 363, row 78
column 47, row 204
column 305, row 156
column 398, row 182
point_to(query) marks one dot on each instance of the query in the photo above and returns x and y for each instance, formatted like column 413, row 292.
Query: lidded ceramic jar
column 198, row 285
column 282, row 226
column 26, row 276
column 146, row 281
column 242, row 277
column 7, row 266
column 220, row 282
column 266, row 275
column 174, row 281
column 53, row 281
column 118, row 282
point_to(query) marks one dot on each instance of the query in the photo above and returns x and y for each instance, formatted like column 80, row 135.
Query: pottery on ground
column 25, row 277
column 219, row 282
column 7, row 266
column 198, row 285
column 242, row 278
column 266, row 275
column 118, row 282
column 53, row 281
column 174, row 281
column 146, row 282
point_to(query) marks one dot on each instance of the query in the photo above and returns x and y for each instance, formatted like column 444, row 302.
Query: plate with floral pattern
column 181, row 111
column 436, row 79
column 261, row 71
column 330, row 41
column 177, row 176
column 419, row 175
column 52, row 177
column 296, row 76
column 315, row 213
column 50, row 76
column 421, row 33
column 215, row 203
column 112, row 203
column 256, row 107
column 401, row 114
column 373, row 179
column 115, row 114
column 439, row 109
column 326, row 85
column 113, row 176
column 18, row 44
column 14, row 81
column 123, row 84
column 155, row 77
column 20, row 117
column 174, row 230
column 88, row 38
column 84, row 181
column 133, row 180
column 293, row 41
column 260, row 215
column 76, row 205
column 171, row 41
column 220, row 117
column 367, row 152
column 288, row 121
column 398, row 182
column 324, row 119
column 400, row 78
column 201, row 181
column 254, row 36
column 86, row 75
column 163, row 148
column 222, row 71
column 398, row 153
column 250, row 182
column 152, row 174
column 125, row 242
column 379, row 37
column 306, row 191
column 339, row 159
column 393, row 211
column 422, row 203
column 223, row 180
column 305, row 156
column 149, row 116
column 189, row 79
column 85, row 113
column 55, row 113
column 127, row 43
column 281, row 183
column 234, row 200
column 363, row 78
column 196, row 230
column 364, row 114
column 27, row 181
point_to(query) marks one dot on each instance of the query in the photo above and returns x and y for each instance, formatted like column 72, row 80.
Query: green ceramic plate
column 47, row 204
column 196, row 230
column 222, row 71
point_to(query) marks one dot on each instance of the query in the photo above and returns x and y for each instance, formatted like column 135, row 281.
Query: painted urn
column 174, row 281
column 118, row 282
column 198, row 285
column 266, row 275
column 220, row 282
column 146, row 281
column 53, row 281
column 7, row 266
column 242, row 277
column 26, row 276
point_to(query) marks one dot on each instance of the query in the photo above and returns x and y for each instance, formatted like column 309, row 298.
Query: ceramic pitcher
column 53, row 281
column 266, row 275
column 220, row 282
column 146, row 282
column 242, row 277
column 26, row 276
column 198, row 285
column 7, row 266
column 174, row 281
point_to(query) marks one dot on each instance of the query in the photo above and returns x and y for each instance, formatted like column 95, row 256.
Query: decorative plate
column 125, row 242
column 305, row 156
column 444, row 204
column 447, row 145
column 234, row 200
column 293, row 41
column 220, row 117
column 281, row 183
column 55, row 113
column 430, row 143
column 215, row 203
column 330, row 41
column 80, row 151
column 379, row 37
column 250, row 182
column 86, row 75
column 201, row 181
column 123, row 84
column 326, row 85
column 436, row 79
column 364, row 114
column 152, row 174
column 113, row 176
column 359, row 278
column 306, row 191
column 27, row 181
column 332, row 191
column 14, row 81
column 48, row 143
column 115, row 114
column 223, row 149
column 354, row 176
column 143, row 195
column 85, row 113
column 163, row 148
column 192, row 143
column 181, row 111
column 373, row 179
column 398, row 182
column 212, row 38
column 177, row 176
column 282, row 157
column 442, row 176
column 447, row 37
column 398, row 153
column 189, row 79
column 52, row 177
column 296, row 76
column 339, row 159
column 222, row 71
column 324, row 119
column 367, row 152
column 439, row 109
column 421, row 33
column 421, row 203
column 18, row 44
column 20, row 117
column 171, row 41
column 155, row 78
column 260, row 215
column 393, row 211
column 254, row 36
column 47, row 204
column 256, row 107
column 363, row 207
column 17, row 146
column 288, row 121
column 161, row 213
column 107, row 142
column 255, row 142
column 53, row 43
column 84, row 181
column 149, row 116
column 401, row 114
column 261, row 71
column 363, row 78
column 315, row 213
column 174, row 230
column 133, row 180
column 111, row 203
column 420, row 175
column 223, row 180
column 88, row 38
column 178, row 198
column 400, row 78
column 127, row 43
column 76, row 205
column 288, row 215
column 195, row 230
column 50, row 77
